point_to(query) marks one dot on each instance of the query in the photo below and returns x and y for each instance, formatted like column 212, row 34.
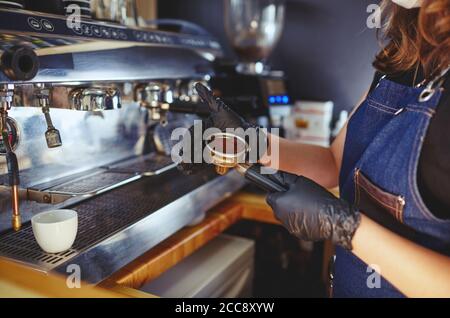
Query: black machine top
column 49, row 34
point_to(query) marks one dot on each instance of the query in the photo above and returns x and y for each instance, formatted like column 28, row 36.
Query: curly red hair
column 415, row 36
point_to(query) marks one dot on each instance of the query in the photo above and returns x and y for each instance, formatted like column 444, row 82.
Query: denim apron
column 379, row 175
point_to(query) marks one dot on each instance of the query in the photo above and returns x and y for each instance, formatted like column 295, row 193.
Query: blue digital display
column 279, row 100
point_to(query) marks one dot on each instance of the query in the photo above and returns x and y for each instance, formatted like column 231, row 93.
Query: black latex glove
column 221, row 117
column 311, row 213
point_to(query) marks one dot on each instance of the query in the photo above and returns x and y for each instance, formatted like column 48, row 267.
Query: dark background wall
column 326, row 49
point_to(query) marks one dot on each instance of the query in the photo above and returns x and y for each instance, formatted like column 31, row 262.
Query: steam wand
column 11, row 158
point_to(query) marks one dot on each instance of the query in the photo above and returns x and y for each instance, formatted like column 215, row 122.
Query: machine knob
column 95, row 99
column 20, row 63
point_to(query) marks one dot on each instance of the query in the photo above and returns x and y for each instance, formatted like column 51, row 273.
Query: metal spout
column 156, row 98
column 93, row 99
column 220, row 170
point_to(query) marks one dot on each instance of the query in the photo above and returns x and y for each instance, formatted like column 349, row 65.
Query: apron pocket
column 369, row 194
column 385, row 208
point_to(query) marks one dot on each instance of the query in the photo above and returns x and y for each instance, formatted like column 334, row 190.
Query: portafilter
column 228, row 151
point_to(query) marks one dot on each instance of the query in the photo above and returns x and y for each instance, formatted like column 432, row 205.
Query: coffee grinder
column 249, row 85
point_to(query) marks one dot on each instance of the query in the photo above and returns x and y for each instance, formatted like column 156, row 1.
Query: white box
column 310, row 123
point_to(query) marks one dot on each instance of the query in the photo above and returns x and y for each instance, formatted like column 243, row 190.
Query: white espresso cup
column 55, row 231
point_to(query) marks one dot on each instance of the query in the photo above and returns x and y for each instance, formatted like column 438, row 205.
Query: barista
column 391, row 161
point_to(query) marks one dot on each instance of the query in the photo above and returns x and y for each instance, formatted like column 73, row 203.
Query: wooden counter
column 17, row 281
column 254, row 207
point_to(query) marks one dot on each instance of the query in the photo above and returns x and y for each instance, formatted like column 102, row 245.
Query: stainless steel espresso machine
column 87, row 112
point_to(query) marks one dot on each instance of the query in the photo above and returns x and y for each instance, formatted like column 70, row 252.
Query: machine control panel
column 42, row 25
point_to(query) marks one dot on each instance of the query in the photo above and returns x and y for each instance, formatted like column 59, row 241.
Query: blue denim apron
column 379, row 175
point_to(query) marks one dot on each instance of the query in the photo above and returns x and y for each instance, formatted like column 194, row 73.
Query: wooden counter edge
column 18, row 281
column 255, row 207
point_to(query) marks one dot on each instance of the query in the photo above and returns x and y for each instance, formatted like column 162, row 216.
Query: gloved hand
column 311, row 213
column 221, row 117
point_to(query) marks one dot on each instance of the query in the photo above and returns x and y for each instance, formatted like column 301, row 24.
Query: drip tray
column 22, row 246
column 149, row 165
column 91, row 184
column 113, row 176
column 104, row 215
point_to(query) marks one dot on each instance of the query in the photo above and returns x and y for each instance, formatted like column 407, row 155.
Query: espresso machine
column 87, row 114
column 249, row 85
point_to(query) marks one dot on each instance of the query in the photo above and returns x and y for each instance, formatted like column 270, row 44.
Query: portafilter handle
column 265, row 182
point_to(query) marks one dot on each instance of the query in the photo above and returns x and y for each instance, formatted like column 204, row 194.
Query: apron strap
column 433, row 86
